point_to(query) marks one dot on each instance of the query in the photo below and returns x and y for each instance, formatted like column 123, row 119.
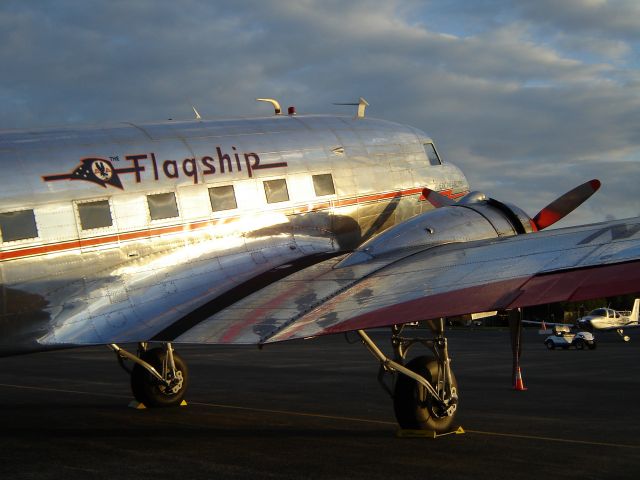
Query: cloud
column 530, row 98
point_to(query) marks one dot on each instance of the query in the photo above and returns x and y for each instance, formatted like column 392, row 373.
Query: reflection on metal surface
column 149, row 273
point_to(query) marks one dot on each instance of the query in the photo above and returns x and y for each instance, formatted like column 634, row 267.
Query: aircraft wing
column 548, row 324
column 569, row 264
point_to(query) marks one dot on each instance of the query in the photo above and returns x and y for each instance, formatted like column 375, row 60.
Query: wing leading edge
column 569, row 264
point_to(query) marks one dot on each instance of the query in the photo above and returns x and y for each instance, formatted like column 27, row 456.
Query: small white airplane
column 606, row 319
column 261, row 230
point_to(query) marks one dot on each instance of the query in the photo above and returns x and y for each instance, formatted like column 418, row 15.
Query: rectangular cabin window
column 432, row 155
column 95, row 214
column 323, row 184
column 18, row 225
column 276, row 190
column 222, row 198
column 162, row 205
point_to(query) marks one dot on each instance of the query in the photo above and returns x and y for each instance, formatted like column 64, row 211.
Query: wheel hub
column 174, row 384
column 446, row 408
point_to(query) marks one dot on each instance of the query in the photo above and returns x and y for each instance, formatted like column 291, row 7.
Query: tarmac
column 313, row 409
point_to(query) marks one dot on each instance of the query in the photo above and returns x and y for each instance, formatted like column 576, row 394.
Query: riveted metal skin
column 138, row 278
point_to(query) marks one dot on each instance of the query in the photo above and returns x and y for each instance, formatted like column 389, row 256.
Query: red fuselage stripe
column 159, row 231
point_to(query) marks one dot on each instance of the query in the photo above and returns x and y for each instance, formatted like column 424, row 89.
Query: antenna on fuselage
column 276, row 105
column 362, row 105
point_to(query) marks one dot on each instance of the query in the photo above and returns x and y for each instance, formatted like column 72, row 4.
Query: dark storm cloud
column 528, row 97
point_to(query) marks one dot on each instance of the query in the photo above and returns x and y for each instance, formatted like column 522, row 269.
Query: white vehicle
column 563, row 338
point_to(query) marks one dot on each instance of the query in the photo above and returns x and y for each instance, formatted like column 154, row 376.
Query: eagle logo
column 102, row 170
column 94, row 170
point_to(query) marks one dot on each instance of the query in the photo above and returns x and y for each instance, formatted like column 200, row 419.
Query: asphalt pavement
column 314, row 409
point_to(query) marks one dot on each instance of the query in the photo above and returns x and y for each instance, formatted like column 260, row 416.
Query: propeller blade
column 565, row 204
column 436, row 199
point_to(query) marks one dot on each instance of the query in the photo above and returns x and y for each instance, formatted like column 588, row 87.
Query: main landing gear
column 158, row 377
column 625, row 338
column 424, row 390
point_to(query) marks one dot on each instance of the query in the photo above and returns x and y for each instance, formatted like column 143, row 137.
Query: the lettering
column 155, row 166
column 137, row 168
column 170, row 168
column 190, row 169
column 100, row 171
column 223, row 158
column 235, row 155
column 210, row 168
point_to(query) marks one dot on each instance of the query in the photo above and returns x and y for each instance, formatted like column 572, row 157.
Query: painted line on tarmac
column 61, row 390
column 296, row 414
column 382, row 422
column 334, row 417
column 554, row 439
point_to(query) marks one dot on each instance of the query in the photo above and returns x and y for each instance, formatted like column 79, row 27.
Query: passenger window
column 432, row 155
column 162, row 205
column 18, row 225
column 323, row 184
column 95, row 214
column 222, row 198
column 276, row 190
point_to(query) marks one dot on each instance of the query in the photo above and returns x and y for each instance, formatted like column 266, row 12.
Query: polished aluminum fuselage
column 139, row 278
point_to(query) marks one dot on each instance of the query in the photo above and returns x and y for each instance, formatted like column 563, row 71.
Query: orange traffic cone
column 519, row 385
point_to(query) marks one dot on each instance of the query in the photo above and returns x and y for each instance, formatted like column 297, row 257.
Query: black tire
column 550, row 345
column 146, row 388
column 412, row 403
column 579, row 344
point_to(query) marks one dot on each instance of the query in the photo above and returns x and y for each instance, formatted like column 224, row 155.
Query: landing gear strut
column 158, row 377
column 625, row 338
column 424, row 391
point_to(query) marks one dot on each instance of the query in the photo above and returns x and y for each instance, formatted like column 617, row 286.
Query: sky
column 529, row 97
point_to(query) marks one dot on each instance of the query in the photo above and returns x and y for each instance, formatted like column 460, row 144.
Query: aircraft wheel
column 146, row 388
column 550, row 345
column 413, row 406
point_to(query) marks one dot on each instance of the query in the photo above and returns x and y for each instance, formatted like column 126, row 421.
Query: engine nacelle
column 475, row 217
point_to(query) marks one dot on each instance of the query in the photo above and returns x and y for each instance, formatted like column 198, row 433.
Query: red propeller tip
column 565, row 204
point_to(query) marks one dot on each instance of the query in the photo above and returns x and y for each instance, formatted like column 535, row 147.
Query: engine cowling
column 474, row 217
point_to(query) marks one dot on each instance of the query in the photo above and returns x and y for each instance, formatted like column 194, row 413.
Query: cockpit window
column 432, row 155
column 600, row 312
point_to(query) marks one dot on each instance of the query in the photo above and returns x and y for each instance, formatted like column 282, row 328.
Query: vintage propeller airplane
column 254, row 231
